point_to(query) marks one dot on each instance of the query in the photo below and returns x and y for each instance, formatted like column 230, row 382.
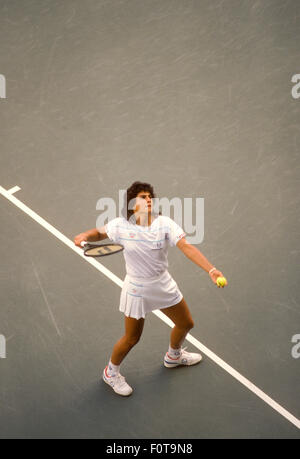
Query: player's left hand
column 215, row 275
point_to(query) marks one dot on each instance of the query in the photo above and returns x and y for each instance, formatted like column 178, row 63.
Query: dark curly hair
column 132, row 193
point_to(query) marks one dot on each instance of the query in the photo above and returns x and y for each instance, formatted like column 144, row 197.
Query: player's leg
column 133, row 332
column 182, row 318
column 183, row 323
column 111, row 374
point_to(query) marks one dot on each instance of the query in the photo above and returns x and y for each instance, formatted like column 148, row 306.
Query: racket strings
column 102, row 250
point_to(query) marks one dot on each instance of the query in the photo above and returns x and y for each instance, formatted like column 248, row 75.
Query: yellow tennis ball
column 221, row 282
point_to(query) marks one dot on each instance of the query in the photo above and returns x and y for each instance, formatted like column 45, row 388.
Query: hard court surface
column 195, row 98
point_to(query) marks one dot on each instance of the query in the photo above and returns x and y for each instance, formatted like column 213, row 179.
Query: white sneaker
column 118, row 383
column 186, row 358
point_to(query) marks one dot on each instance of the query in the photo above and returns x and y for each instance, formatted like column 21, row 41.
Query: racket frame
column 91, row 245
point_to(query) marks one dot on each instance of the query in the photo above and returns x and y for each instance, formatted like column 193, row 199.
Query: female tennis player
column 148, row 285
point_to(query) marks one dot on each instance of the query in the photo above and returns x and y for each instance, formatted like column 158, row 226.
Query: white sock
column 112, row 370
column 174, row 353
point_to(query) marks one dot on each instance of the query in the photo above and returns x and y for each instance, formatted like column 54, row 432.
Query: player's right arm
column 92, row 235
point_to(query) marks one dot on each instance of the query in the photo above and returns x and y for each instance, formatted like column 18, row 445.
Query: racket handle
column 83, row 243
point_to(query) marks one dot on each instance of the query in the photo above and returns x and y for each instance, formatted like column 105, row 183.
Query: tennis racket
column 91, row 249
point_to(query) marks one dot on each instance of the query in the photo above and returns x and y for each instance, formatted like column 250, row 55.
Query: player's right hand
column 82, row 237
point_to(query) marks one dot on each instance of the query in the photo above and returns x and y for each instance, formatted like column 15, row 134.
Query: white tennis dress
column 148, row 285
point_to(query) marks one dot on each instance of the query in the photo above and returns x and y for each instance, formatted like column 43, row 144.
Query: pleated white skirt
column 142, row 295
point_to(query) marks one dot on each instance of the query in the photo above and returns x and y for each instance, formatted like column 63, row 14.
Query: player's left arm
column 191, row 252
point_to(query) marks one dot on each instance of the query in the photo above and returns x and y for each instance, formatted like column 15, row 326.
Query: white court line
column 235, row 374
column 13, row 190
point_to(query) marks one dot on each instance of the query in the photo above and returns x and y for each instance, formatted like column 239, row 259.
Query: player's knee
column 190, row 324
column 185, row 325
column 132, row 340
